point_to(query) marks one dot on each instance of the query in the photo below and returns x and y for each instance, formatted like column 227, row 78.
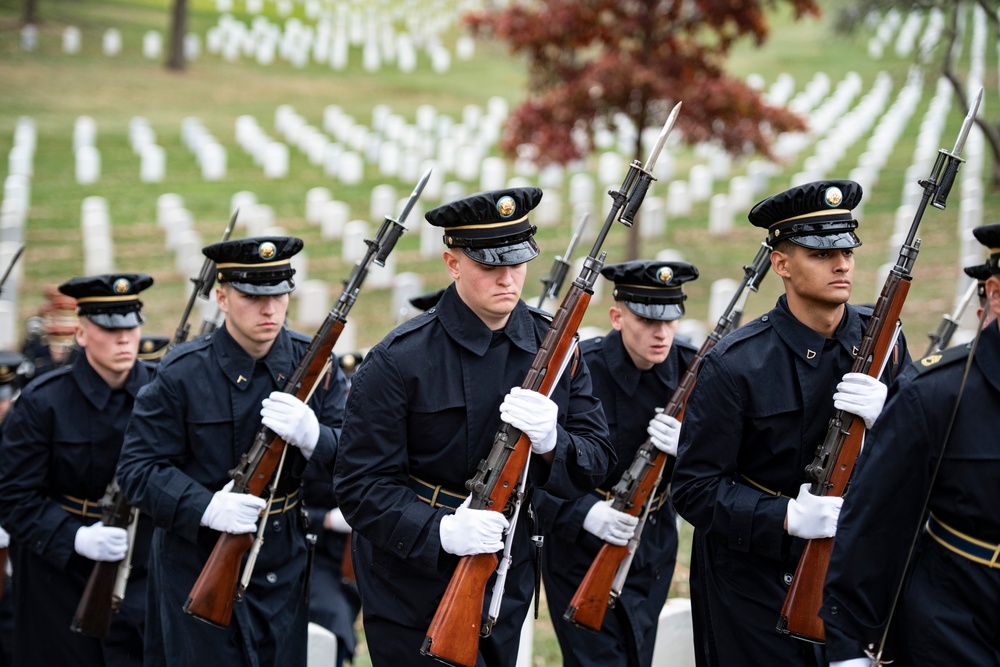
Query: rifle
column 601, row 586
column 453, row 636
column 203, row 283
column 949, row 322
column 830, row 470
column 105, row 588
column 560, row 266
column 10, row 267
column 212, row 596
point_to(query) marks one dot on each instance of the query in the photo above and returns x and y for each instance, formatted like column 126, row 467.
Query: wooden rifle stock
column 347, row 564
column 833, row 464
column 97, row 603
column 212, row 596
column 635, row 490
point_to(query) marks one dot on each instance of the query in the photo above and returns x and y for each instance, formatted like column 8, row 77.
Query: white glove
column 861, row 395
column 4, row 539
column 853, row 662
column 100, row 542
column 534, row 415
column 811, row 517
column 291, row 419
column 230, row 512
column 609, row 524
column 469, row 531
column 336, row 522
column 665, row 432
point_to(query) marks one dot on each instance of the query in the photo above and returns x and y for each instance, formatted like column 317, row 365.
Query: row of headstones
column 905, row 33
column 14, row 207
column 329, row 44
column 71, row 41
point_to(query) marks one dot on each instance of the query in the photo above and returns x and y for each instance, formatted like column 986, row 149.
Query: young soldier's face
column 646, row 341
column 491, row 292
column 252, row 319
column 111, row 351
column 823, row 277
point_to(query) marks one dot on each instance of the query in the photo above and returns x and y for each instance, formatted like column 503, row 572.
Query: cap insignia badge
column 122, row 286
column 665, row 274
column 267, row 250
column 506, row 206
column 833, row 196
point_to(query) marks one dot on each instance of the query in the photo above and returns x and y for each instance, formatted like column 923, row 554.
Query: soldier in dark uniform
column 50, row 341
column 60, row 445
column 423, row 410
column 948, row 609
column 190, row 428
column 635, row 369
column 760, row 408
column 10, row 381
column 153, row 347
column 334, row 602
column 981, row 273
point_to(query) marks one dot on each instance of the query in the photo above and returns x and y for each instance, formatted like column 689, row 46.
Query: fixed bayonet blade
column 577, row 233
column 662, row 139
column 970, row 118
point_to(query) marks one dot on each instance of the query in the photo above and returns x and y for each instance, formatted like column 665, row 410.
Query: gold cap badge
column 833, row 196
column 267, row 250
column 506, row 206
column 665, row 274
column 122, row 286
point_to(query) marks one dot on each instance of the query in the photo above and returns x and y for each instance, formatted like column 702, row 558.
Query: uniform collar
column 238, row 366
column 466, row 329
column 626, row 374
column 988, row 354
column 96, row 390
column 807, row 344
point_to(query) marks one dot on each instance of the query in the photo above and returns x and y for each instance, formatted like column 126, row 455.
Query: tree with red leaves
column 591, row 60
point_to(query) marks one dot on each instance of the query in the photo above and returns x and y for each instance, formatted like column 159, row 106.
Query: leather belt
column 763, row 488
column 90, row 509
column 657, row 502
column 436, row 495
column 984, row 553
column 282, row 504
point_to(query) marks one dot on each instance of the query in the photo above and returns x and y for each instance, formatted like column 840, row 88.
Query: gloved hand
column 291, row 419
column 230, row 512
column 665, row 432
column 100, row 542
column 4, row 539
column 336, row 522
column 861, row 395
column 609, row 524
column 534, row 415
column 811, row 517
column 469, row 531
column 853, row 662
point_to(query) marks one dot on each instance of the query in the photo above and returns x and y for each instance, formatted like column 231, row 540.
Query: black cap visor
column 128, row 320
column 665, row 312
column 508, row 255
column 270, row 289
column 843, row 240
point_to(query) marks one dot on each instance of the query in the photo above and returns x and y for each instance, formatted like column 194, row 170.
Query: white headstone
column 610, row 167
column 111, row 42
column 333, row 216
column 354, row 246
column 652, row 218
column 313, row 301
column 213, row 161
column 152, row 164
column 700, row 183
column 581, row 189
column 315, row 198
column 720, row 216
column 242, row 200
column 276, row 160
column 152, row 45
column 84, row 132
column 493, row 174
column 71, row 40
column 19, row 161
column 88, row 165
column 723, row 290
column 192, row 46
column 29, row 37
column 188, row 259
column 678, row 202
column 350, row 168
column 405, row 285
column 383, row 199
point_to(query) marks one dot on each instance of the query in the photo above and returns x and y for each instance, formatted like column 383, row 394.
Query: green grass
column 54, row 89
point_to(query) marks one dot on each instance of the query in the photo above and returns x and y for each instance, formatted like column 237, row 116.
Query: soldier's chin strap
column 875, row 654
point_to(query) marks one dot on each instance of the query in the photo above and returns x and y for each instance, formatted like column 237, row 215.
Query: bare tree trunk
column 178, row 29
column 30, row 15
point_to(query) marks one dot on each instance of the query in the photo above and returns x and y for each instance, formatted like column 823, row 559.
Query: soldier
column 423, row 410
column 10, row 381
column 60, row 446
column 635, row 369
column 50, row 341
column 758, row 411
column 947, row 612
column 190, row 428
